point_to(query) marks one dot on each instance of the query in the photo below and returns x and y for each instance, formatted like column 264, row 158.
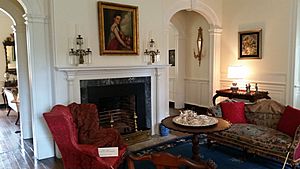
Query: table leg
column 196, row 148
column 196, row 153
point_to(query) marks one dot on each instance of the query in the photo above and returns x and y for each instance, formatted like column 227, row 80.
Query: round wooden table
column 220, row 126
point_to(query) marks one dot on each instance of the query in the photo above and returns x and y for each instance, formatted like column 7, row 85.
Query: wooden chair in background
column 164, row 160
column 12, row 102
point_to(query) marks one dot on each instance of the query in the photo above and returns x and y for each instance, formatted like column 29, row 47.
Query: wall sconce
column 199, row 45
column 152, row 52
column 236, row 73
column 79, row 55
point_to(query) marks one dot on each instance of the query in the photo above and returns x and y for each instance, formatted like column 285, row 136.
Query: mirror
column 199, row 45
column 10, row 56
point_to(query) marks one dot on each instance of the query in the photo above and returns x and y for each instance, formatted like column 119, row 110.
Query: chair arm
column 295, row 147
column 89, row 150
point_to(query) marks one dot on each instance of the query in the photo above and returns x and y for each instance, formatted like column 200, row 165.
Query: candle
column 76, row 30
column 70, row 43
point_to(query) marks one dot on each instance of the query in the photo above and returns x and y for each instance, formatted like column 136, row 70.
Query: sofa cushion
column 264, row 112
column 255, row 136
column 289, row 121
column 216, row 110
column 234, row 112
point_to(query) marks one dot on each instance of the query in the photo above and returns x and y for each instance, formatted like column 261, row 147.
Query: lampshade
column 236, row 72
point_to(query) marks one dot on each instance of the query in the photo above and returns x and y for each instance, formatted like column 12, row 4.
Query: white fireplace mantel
column 159, row 83
column 93, row 68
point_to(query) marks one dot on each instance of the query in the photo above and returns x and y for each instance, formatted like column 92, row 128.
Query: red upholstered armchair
column 76, row 131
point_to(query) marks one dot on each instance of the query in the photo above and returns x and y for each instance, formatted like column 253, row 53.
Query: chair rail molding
column 274, row 83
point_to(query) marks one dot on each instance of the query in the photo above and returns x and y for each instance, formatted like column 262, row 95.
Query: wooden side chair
column 12, row 103
column 163, row 160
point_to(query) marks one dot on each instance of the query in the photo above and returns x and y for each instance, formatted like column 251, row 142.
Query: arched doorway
column 34, row 61
column 191, row 76
column 213, row 53
column 15, row 11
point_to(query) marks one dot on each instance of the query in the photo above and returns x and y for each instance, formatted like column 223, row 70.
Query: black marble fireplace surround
column 109, row 94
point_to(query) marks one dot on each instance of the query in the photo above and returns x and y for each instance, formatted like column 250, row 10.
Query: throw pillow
column 289, row 121
column 216, row 110
column 234, row 112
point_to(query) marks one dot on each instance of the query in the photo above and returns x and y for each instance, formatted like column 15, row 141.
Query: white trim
column 96, row 68
column 197, row 79
column 292, row 53
column 255, row 81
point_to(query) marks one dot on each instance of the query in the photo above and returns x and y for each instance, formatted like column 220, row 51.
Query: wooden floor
column 16, row 153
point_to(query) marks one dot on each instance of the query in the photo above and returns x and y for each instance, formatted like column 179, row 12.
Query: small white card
column 108, row 151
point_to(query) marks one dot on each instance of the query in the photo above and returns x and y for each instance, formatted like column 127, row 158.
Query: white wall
column 5, row 31
column 273, row 17
column 85, row 15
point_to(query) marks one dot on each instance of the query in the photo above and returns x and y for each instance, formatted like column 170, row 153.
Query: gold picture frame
column 118, row 29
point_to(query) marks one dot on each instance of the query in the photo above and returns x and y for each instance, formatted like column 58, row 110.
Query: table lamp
column 236, row 73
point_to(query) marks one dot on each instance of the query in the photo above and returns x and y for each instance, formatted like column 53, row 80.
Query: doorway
column 14, row 11
column 189, row 77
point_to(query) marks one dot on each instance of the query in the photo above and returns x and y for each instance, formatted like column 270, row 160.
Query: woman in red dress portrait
column 117, row 39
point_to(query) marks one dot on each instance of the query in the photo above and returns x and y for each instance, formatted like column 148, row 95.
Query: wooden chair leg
column 8, row 111
column 18, row 118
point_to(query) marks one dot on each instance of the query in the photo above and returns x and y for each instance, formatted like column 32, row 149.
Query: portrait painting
column 250, row 46
column 118, row 29
column 172, row 57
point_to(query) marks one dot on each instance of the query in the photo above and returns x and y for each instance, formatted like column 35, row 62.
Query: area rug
column 224, row 157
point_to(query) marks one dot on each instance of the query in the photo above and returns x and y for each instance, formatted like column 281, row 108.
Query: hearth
column 123, row 103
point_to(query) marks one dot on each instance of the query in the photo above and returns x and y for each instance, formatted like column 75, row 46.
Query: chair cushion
column 259, row 137
column 234, row 112
column 289, row 121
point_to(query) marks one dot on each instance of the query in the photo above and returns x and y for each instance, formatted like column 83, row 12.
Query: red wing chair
column 68, row 123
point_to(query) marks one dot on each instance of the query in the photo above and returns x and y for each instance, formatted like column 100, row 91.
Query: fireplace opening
column 119, row 113
column 123, row 103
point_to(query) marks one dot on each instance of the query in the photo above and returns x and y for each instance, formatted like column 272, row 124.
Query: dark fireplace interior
column 123, row 103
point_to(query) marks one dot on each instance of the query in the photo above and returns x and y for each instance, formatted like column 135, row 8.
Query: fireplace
column 79, row 78
column 123, row 103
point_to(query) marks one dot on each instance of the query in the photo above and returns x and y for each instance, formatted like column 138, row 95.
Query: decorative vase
column 163, row 130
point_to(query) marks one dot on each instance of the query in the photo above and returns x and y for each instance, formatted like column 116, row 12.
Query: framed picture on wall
column 172, row 57
column 118, row 29
column 250, row 44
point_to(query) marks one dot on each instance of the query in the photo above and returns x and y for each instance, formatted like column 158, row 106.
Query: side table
column 252, row 96
column 220, row 126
